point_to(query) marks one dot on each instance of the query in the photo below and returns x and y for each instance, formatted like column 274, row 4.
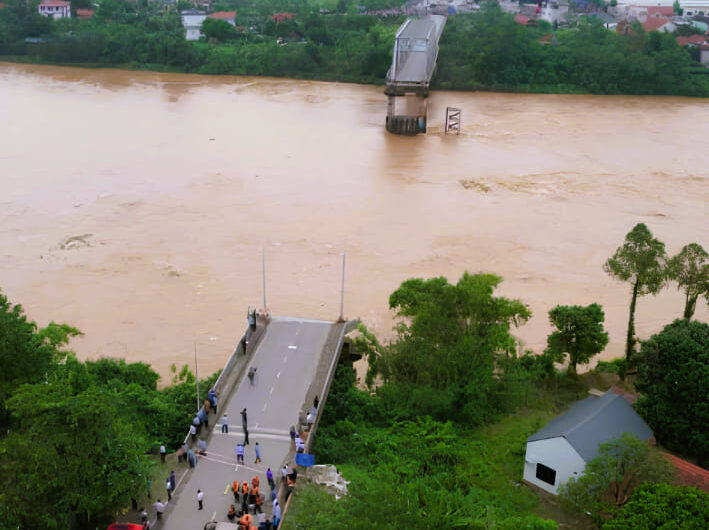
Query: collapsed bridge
column 408, row 79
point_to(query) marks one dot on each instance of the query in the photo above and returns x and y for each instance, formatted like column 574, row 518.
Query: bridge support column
column 406, row 114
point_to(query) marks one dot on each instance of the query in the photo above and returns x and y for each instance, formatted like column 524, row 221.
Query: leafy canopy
column 663, row 506
column 450, row 341
column 579, row 333
column 690, row 269
column 673, row 379
column 621, row 466
column 640, row 260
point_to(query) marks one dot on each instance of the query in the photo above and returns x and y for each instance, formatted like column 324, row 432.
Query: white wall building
column 55, row 9
column 694, row 7
column 192, row 21
column 561, row 449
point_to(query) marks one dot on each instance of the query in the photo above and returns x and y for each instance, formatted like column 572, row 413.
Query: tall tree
column 622, row 464
column 450, row 340
column 690, row 269
column 579, row 333
column 641, row 261
column 673, row 378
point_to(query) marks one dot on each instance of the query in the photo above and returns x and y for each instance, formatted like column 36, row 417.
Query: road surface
column 286, row 361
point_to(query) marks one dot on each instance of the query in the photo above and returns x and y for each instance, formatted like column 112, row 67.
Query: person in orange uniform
column 257, row 499
column 244, row 496
column 235, row 489
column 245, row 522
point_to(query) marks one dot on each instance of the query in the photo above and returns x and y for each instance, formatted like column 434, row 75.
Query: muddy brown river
column 136, row 205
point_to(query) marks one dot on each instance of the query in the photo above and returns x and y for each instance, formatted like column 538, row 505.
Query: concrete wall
column 557, row 454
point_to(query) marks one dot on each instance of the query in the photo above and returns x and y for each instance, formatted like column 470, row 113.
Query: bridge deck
column 287, row 361
column 415, row 54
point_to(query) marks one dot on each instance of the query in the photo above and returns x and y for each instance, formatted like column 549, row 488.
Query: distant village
column 661, row 15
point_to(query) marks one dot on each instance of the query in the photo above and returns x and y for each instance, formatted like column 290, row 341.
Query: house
column 84, row 14
column 695, row 7
column 660, row 11
column 609, row 21
column 523, row 19
column 280, row 17
column 226, row 16
column 192, row 21
column 562, row 448
column 55, row 9
column 663, row 25
column 692, row 40
column 688, row 474
column 704, row 54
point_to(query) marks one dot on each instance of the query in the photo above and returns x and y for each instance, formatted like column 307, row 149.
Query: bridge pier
column 406, row 114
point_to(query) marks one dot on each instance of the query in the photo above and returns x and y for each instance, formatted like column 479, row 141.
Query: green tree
column 579, row 333
column 27, row 354
column 218, row 30
column 690, row 269
column 621, row 466
column 450, row 340
column 641, row 261
column 677, row 9
column 74, row 458
column 663, row 506
column 673, row 378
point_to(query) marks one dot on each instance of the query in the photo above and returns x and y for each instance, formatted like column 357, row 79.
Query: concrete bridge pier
column 406, row 114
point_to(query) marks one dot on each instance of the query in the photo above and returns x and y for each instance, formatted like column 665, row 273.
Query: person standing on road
column 252, row 374
column 173, row 481
column 159, row 508
column 269, row 478
column 225, row 424
column 258, row 454
column 200, row 498
column 235, row 489
column 276, row 513
column 240, row 454
column 168, row 487
column 245, row 426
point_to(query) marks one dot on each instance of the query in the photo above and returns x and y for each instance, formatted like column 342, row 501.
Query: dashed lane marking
column 271, row 391
column 292, row 347
column 278, row 375
column 264, row 407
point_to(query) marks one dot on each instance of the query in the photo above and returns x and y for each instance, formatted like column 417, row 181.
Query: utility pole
column 263, row 275
column 342, row 290
column 196, row 372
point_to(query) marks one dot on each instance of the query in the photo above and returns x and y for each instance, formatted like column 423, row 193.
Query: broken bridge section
column 413, row 62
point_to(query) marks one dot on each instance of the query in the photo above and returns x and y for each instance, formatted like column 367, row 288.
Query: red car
column 125, row 526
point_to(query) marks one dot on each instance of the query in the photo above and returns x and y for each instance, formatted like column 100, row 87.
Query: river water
column 136, row 205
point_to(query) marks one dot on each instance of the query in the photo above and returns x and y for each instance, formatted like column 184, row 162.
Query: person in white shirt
column 159, row 508
column 200, row 498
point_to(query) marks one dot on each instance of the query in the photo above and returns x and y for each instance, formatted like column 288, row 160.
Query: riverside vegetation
column 76, row 438
column 439, row 437
column 486, row 50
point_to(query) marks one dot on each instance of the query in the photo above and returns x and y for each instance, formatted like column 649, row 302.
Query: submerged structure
column 408, row 79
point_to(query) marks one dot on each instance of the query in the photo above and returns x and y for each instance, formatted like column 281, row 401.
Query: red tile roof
column 280, row 17
column 692, row 39
column 653, row 24
column 84, row 13
column 522, row 19
column 689, row 474
column 223, row 15
column 2, row 5
column 629, row 396
column 665, row 11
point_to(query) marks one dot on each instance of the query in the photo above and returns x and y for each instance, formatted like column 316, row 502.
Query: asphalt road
column 286, row 360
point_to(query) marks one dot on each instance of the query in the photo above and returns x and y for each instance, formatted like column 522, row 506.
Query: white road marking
column 264, row 407
column 214, row 516
column 292, row 347
column 271, row 391
column 278, row 375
